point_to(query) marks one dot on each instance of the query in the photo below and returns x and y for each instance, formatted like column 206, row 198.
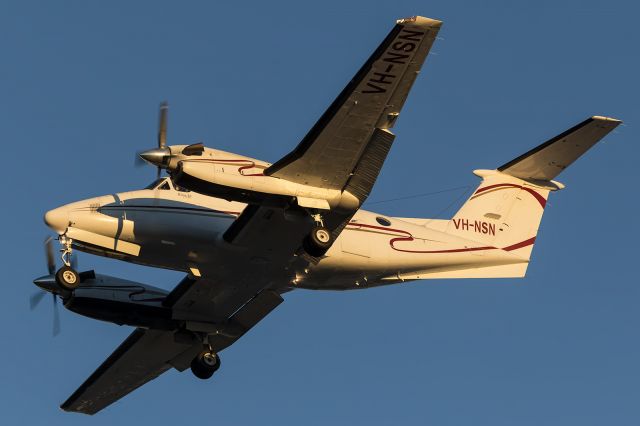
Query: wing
column 146, row 354
column 333, row 148
column 546, row 161
column 142, row 357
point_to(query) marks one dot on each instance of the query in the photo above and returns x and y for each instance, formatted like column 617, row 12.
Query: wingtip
column 420, row 21
column 603, row 118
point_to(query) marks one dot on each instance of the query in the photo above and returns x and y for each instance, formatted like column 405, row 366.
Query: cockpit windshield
column 155, row 183
column 165, row 184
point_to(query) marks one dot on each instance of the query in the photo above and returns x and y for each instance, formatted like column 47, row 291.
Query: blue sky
column 80, row 83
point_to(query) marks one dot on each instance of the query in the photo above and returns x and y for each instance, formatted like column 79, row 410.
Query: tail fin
column 506, row 209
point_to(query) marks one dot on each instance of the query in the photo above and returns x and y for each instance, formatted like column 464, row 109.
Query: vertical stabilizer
column 506, row 209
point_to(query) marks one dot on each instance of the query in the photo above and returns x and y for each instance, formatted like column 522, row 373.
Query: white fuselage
column 180, row 230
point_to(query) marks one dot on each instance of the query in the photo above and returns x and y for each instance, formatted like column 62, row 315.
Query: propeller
column 48, row 252
column 160, row 156
column 56, row 316
column 162, row 125
column 37, row 297
column 155, row 156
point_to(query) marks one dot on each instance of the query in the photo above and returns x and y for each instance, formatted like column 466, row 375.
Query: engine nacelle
column 233, row 183
column 121, row 302
column 238, row 178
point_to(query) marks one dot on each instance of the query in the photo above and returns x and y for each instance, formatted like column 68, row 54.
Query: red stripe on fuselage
column 248, row 164
column 408, row 237
column 537, row 196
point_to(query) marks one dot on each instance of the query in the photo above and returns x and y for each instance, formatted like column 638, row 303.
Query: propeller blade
column 35, row 299
column 155, row 156
column 48, row 250
column 162, row 125
column 56, row 317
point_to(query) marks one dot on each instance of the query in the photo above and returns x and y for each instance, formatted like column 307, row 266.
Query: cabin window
column 383, row 221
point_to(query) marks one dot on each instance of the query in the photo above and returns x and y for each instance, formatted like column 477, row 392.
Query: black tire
column 67, row 278
column 204, row 365
column 318, row 241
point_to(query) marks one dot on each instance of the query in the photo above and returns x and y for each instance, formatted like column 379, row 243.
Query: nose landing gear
column 205, row 364
column 67, row 277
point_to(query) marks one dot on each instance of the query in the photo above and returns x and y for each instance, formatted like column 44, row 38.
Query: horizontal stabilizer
column 548, row 160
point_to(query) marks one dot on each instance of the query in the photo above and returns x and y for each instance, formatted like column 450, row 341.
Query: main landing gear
column 319, row 239
column 67, row 277
column 205, row 364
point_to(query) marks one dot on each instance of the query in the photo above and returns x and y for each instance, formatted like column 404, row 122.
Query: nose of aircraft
column 57, row 219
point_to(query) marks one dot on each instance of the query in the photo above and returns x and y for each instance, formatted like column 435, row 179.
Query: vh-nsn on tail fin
column 506, row 209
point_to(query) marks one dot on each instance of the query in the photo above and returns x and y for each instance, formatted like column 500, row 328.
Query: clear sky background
column 80, row 83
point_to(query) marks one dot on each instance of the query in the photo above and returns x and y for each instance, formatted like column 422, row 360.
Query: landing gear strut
column 319, row 239
column 205, row 364
column 67, row 277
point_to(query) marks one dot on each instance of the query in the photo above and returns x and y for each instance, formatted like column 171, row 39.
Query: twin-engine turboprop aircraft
column 246, row 231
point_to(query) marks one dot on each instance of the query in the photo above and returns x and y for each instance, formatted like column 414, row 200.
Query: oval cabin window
column 383, row 221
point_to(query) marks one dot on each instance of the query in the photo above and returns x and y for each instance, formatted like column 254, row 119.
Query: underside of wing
column 142, row 357
column 329, row 154
column 204, row 305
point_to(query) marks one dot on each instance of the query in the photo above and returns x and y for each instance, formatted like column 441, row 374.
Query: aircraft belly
column 179, row 241
column 366, row 256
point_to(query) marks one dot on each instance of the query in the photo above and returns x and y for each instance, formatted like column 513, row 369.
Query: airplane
column 245, row 231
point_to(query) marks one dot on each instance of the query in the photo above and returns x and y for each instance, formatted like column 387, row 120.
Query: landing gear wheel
column 67, row 278
column 205, row 364
column 318, row 241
